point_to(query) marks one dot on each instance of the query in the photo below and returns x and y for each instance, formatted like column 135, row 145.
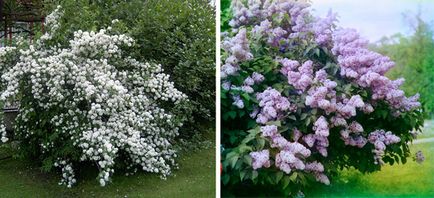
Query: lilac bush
column 303, row 98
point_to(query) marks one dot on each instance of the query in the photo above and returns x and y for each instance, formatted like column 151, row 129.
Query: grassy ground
column 403, row 180
column 195, row 178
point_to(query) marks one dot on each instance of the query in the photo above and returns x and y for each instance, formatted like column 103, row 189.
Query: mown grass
column 402, row 180
column 195, row 178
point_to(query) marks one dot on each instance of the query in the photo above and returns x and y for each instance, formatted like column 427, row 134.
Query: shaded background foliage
column 180, row 35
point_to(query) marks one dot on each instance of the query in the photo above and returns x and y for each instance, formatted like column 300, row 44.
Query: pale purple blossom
column 272, row 105
column 380, row 139
column 269, row 130
column 419, row 157
column 238, row 102
column 260, row 159
column 257, row 77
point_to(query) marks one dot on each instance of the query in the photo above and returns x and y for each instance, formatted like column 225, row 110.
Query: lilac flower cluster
column 272, row 104
column 319, row 139
column 291, row 155
column 367, row 68
column 419, row 157
column 238, row 102
column 260, row 159
column 347, row 108
column 352, row 135
column 380, row 139
column 239, row 50
column 323, row 29
column 255, row 78
column 299, row 77
column 264, row 13
column 323, row 97
column 317, row 169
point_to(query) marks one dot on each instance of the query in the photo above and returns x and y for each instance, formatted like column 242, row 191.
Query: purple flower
column 321, row 127
column 367, row 68
column 260, row 159
column 269, row 130
column 419, row 157
column 272, row 105
column 381, row 139
column 257, row 77
column 238, row 102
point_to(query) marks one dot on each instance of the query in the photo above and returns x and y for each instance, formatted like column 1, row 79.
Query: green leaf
column 244, row 148
column 255, row 130
column 231, row 155
column 292, row 117
column 261, row 143
column 232, row 114
column 285, row 182
column 247, row 159
column 248, row 138
column 241, row 113
column 278, row 177
column 276, row 123
column 403, row 160
column 317, row 52
column 243, row 174
column 245, row 96
column 254, row 174
column 303, row 116
column 233, row 161
column 293, row 177
column 225, row 179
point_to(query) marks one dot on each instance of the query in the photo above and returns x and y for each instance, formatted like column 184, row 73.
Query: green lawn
column 403, row 180
column 195, row 178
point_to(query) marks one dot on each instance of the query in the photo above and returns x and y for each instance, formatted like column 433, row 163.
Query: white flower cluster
column 68, row 176
column 52, row 24
column 104, row 103
column 3, row 137
column 6, row 54
column 4, row 51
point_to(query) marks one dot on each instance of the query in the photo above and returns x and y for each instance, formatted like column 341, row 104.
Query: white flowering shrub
column 88, row 102
column 302, row 99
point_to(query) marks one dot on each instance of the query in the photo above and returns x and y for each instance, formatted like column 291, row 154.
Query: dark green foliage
column 225, row 15
column 180, row 35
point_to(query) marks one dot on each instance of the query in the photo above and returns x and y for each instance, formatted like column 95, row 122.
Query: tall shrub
column 87, row 101
column 302, row 99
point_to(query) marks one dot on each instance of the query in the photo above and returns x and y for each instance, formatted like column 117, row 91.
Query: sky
column 375, row 18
